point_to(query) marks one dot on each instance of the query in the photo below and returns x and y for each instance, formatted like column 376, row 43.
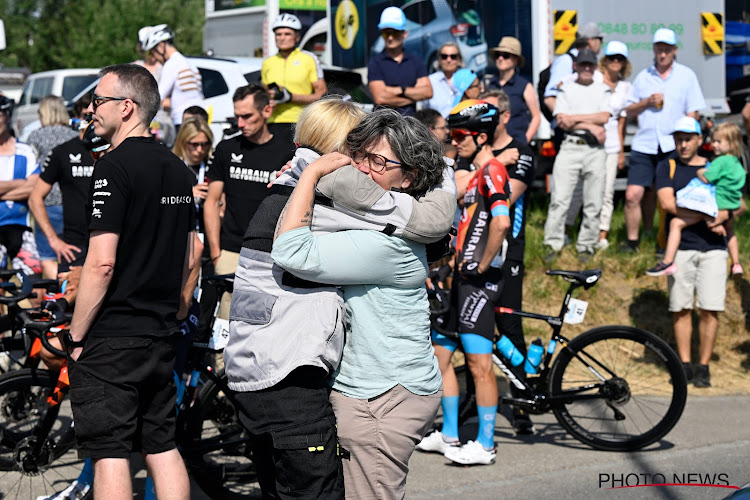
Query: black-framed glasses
column 196, row 145
column 376, row 162
column 617, row 57
column 98, row 100
column 450, row 56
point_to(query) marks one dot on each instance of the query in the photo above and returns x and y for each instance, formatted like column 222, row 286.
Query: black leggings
column 11, row 237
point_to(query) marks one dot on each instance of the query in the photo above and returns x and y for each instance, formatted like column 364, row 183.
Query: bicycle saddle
column 586, row 278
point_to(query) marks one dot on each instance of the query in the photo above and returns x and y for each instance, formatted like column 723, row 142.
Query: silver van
column 61, row 82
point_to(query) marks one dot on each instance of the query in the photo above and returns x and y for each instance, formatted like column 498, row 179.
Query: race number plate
column 576, row 311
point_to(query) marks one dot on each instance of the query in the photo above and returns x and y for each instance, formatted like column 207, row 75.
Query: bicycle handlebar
column 39, row 328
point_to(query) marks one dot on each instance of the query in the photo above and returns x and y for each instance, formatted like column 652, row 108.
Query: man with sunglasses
column 395, row 77
column 122, row 339
column 180, row 82
column 443, row 91
column 581, row 110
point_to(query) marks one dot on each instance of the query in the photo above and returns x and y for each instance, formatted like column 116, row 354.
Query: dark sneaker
column 702, row 377
column 585, row 255
column 522, row 424
column 688, row 369
column 550, row 254
column 662, row 269
column 628, row 247
column 659, row 252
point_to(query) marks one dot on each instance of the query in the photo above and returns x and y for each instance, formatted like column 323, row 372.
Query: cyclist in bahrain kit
column 478, row 283
column 121, row 343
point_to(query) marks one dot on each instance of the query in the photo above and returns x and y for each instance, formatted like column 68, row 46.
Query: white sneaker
column 602, row 244
column 472, row 453
column 436, row 442
column 75, row 491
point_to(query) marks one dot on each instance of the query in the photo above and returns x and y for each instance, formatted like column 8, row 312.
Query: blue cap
column 392, row 18
column 462, row 80
column 687, row 124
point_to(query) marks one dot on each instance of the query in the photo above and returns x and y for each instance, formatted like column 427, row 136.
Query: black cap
column 586, row 56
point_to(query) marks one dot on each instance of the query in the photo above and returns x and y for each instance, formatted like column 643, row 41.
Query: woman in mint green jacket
column 387, row 389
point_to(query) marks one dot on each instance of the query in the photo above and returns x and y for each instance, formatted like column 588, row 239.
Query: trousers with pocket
column 293, row 437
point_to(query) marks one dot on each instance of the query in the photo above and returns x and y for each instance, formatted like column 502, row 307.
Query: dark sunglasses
column 98, row 100
column 450, row 56
column 617, row 57
column 504, row 55
column 459, row 134
column 196, row 145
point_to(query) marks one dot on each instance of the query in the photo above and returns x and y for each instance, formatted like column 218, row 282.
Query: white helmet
column 286, row 21
column 157, row 34
column 143, row 34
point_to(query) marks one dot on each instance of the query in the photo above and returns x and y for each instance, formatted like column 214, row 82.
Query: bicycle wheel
column 24, row 473
column 617, row 388
column 216, row 447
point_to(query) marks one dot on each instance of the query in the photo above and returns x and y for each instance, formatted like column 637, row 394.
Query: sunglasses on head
column 459, row 134
column 616, row 57
column 450, row 56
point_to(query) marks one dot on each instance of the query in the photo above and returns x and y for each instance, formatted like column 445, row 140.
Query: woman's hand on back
column 328, row 163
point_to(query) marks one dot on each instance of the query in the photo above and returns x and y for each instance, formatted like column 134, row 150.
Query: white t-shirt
column 617, row 102
column 181, row 82
column 17, row 212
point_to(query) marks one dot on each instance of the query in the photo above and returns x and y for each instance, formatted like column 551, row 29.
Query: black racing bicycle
column 615, row 388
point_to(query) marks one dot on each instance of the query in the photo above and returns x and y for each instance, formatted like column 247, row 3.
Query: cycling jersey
column 296, row 73
column 181, row 82
column 486, row 197
column 19, row 165
column 71, row 165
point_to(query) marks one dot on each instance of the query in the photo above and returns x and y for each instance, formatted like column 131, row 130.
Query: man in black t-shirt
column 701, row 260
column 71, row 165
column 241, row 168
column 121, row 343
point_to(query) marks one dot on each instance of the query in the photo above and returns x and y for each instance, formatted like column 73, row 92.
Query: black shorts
column 11, row 237
column 80, row 257
column 476, row 302
column 122, row 392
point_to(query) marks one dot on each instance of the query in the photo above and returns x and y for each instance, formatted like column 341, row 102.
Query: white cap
column 614, row 48
column 665, row 35
column 392, row 18
column 687, row 124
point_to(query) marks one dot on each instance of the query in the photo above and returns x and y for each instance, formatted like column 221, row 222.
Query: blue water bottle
column 534, row 357
column 510, row 351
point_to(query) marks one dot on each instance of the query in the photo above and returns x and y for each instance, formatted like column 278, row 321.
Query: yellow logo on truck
column 712, row 29
column 347, row 24
column 566, row 27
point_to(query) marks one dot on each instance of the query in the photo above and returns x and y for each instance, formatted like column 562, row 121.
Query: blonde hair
column 189, row 129
column 733, row 136
column 324, row 124
column 626, row 67
column 52, row 111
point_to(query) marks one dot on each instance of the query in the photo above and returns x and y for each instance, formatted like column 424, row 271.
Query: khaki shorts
column 701, row 277
column 226, row 264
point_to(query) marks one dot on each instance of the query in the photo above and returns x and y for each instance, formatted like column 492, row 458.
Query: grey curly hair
column 417, row 149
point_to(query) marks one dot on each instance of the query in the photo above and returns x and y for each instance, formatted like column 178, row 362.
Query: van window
column 42, row 88
column 25, row 93
column 72, row 85
column 213, row 83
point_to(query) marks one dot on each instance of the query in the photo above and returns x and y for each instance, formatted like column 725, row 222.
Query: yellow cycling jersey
column 296, row 73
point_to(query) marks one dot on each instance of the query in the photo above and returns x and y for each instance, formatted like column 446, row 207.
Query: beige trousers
column 226, row 264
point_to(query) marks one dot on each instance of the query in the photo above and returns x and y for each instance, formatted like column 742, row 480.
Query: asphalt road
column 711, row 443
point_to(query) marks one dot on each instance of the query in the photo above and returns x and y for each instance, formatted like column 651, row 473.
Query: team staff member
column 241, row 168
column 296, row 72
column 397, row 78
column 121, row 343
column 180, row 82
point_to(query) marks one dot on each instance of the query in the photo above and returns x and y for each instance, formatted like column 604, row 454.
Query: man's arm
column 499, row 226
column 7, row 186
column 21, row 192
column 462, row 182
column 190, row 273
column 530, row 97
column 319, row 88
column 212, row 218
column 39, row 211
column 570, row 122
column 95, row 279
column 389, row 95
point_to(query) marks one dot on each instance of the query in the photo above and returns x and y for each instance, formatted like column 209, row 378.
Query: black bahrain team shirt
column 245, row 169
column 143, row 192
column 70, row 164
